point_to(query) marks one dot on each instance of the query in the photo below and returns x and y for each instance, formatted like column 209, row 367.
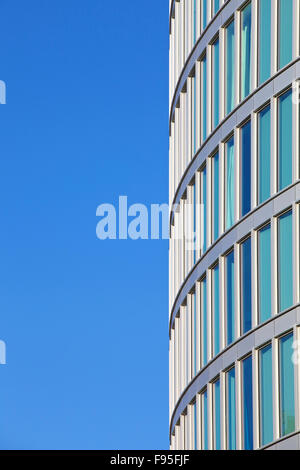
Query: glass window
column 285, row 261
column 230, row 297
column 245, row 51
column 287, row 393
column 217, row 415
column 204, row 321
column 204, row 14
column 246, row 287
column 204, row 208
column 216, row 308
column 216, row 6
column 229, row 187
column 195, row 426
column 285, row 147
column 246, row 169
column 195, row 115
column 204, row 97
column 230, row 67
column 195, row 21
column 266, row 395
column 285, row 18
column 231, row 401
column 264, row 273
column 204, row 421
column 216, row 82
column 247, row 404
column 264, row 40
column 194, row 223
column 194, row 338
column 215, row 196
column 264, row 154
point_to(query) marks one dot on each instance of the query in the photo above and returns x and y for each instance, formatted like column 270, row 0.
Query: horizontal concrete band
column 258, row 98
column 260, row 335
column 290, row 442
column 261, row 214
column 221, row 18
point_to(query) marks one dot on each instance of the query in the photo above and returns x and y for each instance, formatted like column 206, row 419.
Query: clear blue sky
column 85, row 321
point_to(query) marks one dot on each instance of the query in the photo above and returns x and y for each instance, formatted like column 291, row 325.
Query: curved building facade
column 234, row 320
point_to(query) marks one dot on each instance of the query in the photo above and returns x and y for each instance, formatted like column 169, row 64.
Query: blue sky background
column 85, row 321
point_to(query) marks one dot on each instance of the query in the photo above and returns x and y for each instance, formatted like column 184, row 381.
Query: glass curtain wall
column 266, row 395
column 264, row 40
column 285, row 261
column 229, row 187
column 230, row 67
column 285, row 36
column 264, row 154
column 246, row 288
column 246, row 51
column 264, row 273
column 285, row 140
column 247, row 403
column 286, row 379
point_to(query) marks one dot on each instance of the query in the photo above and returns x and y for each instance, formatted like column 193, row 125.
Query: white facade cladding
column 234, row 320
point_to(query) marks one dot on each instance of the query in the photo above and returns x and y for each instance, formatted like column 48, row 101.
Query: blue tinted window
column 217, row 416
column 216, row 309
column 245, row 51
column 230, row 296
column 204, row 14
column 246, row 288
column 264, row 40
column 246, row 168
column 287, row 393
column 216, row 6
column 205, row 421
column 204, row 208
column 230, row 67
column 264, row 273
column 285, row 32
column 195, row 115
column 204, row 98
column 231, row 417
column 285, row 261
column 204, row 321
column 230, row 183
column 194, row 222
column 266, row 396
column 195, row 20
column 216, row 83
column 215, row 195
column 264, row 154
column 285, row 150
column 195, row 427
column 195, row 333
column 247, row 404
